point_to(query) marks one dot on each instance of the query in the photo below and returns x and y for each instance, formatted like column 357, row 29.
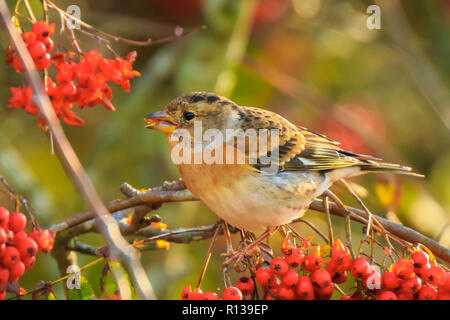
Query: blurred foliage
column 370, row 89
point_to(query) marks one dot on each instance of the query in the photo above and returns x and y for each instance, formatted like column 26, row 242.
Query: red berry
column 360, row 268
column 10, row 256
column 346, row 298
column 4, row 217
column 29, row 262
column 312, row 263
column 422, row 271
column 279, row 266
column 420, row 259
column 245, row 284
column 17, row 64
column 412, row 285
column 387, row 295
column 186, row 293
column 390, row 281
column 197, row 294
column 305, row 289
column 27, row 247
column 209, row 295
column 48, row 43
column 4, row 275
column 445, row 281
column 16, row 271
column 44, row 239
column 42, row 29
column 321, row 279
column 42, row 62
column 263, row 276
column 232, row 293
column 428, row 292
column 403, row 295
column 434, row 274
column 3, row 236
column 324, row 293
column 17, row 222
column 443, row 294
column 289, row 279
column 404, row 269
column 339, row 277
column 19, row 235
column 295, row 257
column 286, row 292
column 37, row 49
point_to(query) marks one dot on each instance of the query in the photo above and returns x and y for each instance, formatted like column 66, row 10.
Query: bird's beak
column 160, row 121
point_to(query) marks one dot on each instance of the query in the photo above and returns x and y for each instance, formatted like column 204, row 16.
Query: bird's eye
column 189, row 115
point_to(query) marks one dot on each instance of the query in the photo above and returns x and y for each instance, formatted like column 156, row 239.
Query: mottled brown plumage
column 308, row 163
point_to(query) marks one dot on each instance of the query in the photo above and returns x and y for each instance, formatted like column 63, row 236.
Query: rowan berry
column 42, row 29
column 443, row 294
column 16, row 271
column 27, row 247
column 29, row 262
column 359, row 268
column 186, row 293
column 321, row 279
column 434, row 274
column 245, row 284
column 390, row 281
column 196, row 294
column 4, row 217
column 263, row 276
column 289, row 279
column 279, row 266
column 209, row 295
column 37, row 49
column 44, row 239
column 339, row 277
column 428, row 292
column 4, row 275
column 3, row 236
column 10, row 256
column 17, row 222
column 287, row 293
column 412, row 285
column 324, row 293
column 404, row 269
column 232, row 293
column 386, row 295
column 444, row 281
column 312, row 263
column 420, row 259
column 48, row 43
column 404, row 295
column 304, row 289
column 295, row 257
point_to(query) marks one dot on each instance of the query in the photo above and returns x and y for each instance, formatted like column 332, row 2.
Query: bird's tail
column 374, row 166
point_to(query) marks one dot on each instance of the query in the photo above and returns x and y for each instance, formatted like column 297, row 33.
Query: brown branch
column 121, row 250
column 160, row 195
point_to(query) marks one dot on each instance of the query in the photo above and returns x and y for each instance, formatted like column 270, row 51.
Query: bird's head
column 213, row 111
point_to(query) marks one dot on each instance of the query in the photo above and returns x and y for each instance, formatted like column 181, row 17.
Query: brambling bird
column 307, row 163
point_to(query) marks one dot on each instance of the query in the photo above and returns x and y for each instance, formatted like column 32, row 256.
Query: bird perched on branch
column 245, row 195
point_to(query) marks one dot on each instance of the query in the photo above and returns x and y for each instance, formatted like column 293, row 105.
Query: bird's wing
column 322, row 153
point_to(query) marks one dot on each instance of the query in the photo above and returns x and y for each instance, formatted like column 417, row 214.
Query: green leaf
column 84, row 293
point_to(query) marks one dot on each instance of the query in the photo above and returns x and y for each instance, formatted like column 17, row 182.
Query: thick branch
column 121, row 250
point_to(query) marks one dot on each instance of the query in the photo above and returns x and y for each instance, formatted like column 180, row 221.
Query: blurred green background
column 383, row 92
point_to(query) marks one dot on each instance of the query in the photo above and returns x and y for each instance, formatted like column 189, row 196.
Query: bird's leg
column 237, row 256
column 347, row 214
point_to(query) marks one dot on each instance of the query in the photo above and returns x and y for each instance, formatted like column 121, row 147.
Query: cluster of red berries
column 230, row 293
column 17, row 248
column 83, row 83
column 302, row 276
